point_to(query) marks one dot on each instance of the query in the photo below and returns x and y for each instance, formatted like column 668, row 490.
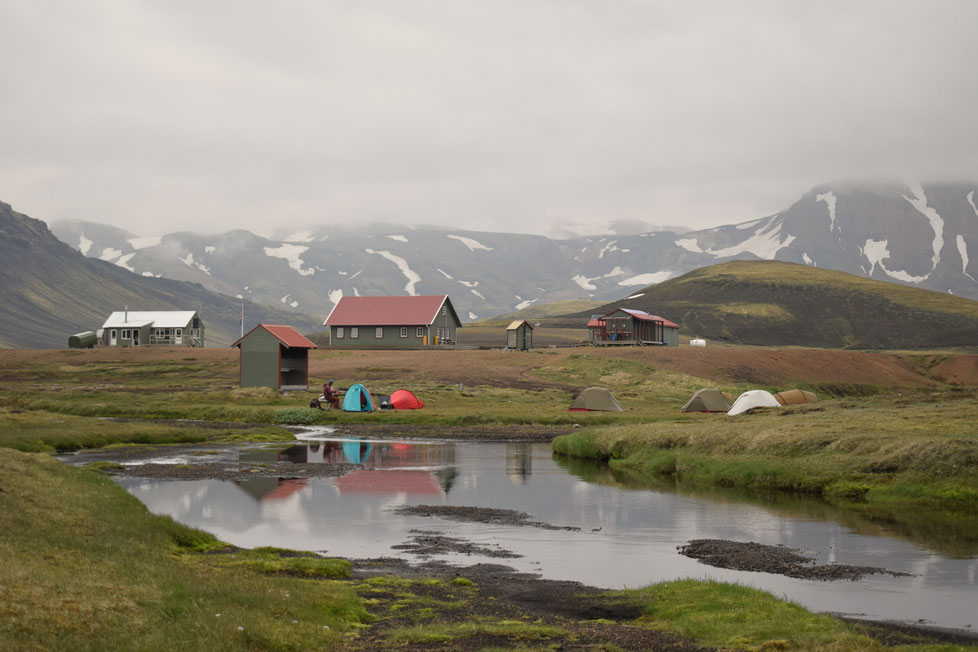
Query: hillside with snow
column 923, row 235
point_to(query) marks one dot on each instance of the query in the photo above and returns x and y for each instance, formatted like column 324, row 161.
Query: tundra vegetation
column 87, row 567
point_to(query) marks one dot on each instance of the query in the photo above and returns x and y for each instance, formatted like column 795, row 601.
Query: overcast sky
column 494, row 115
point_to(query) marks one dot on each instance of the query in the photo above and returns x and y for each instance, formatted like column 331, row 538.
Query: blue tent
column 358, row 399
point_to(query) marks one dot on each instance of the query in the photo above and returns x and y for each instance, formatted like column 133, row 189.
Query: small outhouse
column 519, row 335
column 274, row 356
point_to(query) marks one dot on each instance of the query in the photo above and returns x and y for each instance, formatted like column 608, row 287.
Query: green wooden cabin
column 625, row 326
column 274, row 356
column 405, row 322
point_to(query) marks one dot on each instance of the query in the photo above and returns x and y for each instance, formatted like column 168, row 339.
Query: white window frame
column 403, row 331
column 354, row 332
column 339, row 332
column 420, row 332
column 378, row 332
column 125, row 334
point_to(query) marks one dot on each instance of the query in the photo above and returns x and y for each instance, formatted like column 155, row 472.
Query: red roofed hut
column 274, row 356
column 393, row 322
column 635, row 327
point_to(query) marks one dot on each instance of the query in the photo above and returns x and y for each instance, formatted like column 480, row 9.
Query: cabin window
column 339, row 332
column 354, row 332
column 379, row 333
column 419, row 332
column 403, row 331
column 125, row 333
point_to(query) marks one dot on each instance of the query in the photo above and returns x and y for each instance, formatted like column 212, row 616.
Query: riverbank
column 87, row 566
column 893, row 450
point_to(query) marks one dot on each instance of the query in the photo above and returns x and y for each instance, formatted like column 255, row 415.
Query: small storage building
column 274, row 356
column 405, row 322
column 627, row 326
column 85, row 340
column 519, row 335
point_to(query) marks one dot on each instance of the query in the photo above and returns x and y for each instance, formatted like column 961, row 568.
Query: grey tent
column 707, row 400
column 595, row 398
column 795, row 397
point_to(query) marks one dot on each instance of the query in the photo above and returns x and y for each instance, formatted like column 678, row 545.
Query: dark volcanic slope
column 49, row 291
column 786, row 304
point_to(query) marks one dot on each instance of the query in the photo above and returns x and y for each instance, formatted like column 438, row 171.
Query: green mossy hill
column 786, row 304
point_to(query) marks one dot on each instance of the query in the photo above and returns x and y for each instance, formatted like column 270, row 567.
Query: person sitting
column 331, row 396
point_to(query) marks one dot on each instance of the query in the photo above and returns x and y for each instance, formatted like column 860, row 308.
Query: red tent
column 402, row 399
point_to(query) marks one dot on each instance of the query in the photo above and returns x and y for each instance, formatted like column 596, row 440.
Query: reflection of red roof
column 287, row 335
column 286, row 487
column 387, row 311
column 373, row 481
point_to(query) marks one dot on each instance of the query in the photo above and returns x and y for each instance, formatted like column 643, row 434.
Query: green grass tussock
column 87, row 567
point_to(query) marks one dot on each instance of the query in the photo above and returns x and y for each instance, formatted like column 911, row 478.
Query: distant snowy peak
column 567, row 230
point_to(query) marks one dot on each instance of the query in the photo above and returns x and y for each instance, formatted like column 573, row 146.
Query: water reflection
column 628, row 536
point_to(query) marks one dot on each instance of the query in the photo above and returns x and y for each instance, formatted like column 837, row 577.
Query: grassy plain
column 87, row 567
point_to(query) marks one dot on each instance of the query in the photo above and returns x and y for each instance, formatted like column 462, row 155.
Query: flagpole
column 242, row 320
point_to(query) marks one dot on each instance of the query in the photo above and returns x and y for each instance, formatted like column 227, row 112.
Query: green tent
column 707, row 400
column 595, row 398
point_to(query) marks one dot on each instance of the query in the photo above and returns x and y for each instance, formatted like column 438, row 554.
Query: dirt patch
column 429, row 544
column 779, row 560
column 579, row 617
column 479, row 515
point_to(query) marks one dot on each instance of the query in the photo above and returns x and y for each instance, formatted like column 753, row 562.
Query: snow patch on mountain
column 876, row 251
column 478, row 294
column 291, row 253
column 124, row 262
column 963, row 250
column 829, row 198
column 84, row 244
column 689, row 244
column 469, row 284
column 524, row 304
column 748, row 225
column 109, row 254
column 608, row 248
column 293, row 303
column 398, row 238
column 470, row 243
column 919, row 202
column 209, row 249
column 412, row 276
column 765, row 243
column 142, row 243
column 584, row 282
column 635, row 296
column 807, row 259
column 445, row 274
column 335, row 296
column 188, row 260
column 473, row 316
column 301, row 236
column 971, row 200
column 647, row 279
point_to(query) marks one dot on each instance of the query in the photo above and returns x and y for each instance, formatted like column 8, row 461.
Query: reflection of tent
column 402, row 399
column 272, row 488
column 356, row 452
column 595, row 398
column 752, row 399
column 795, row 397
column 388, row 482
column 707, row 400
column 358, row 399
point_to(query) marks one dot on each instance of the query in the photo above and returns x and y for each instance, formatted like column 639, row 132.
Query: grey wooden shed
column 519, row 335
column 274, row 356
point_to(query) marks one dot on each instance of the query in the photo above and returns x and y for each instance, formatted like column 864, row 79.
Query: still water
column 628, row 536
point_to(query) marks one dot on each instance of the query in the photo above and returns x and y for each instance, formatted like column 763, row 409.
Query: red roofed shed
column 393, row 322
column 274, row 356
